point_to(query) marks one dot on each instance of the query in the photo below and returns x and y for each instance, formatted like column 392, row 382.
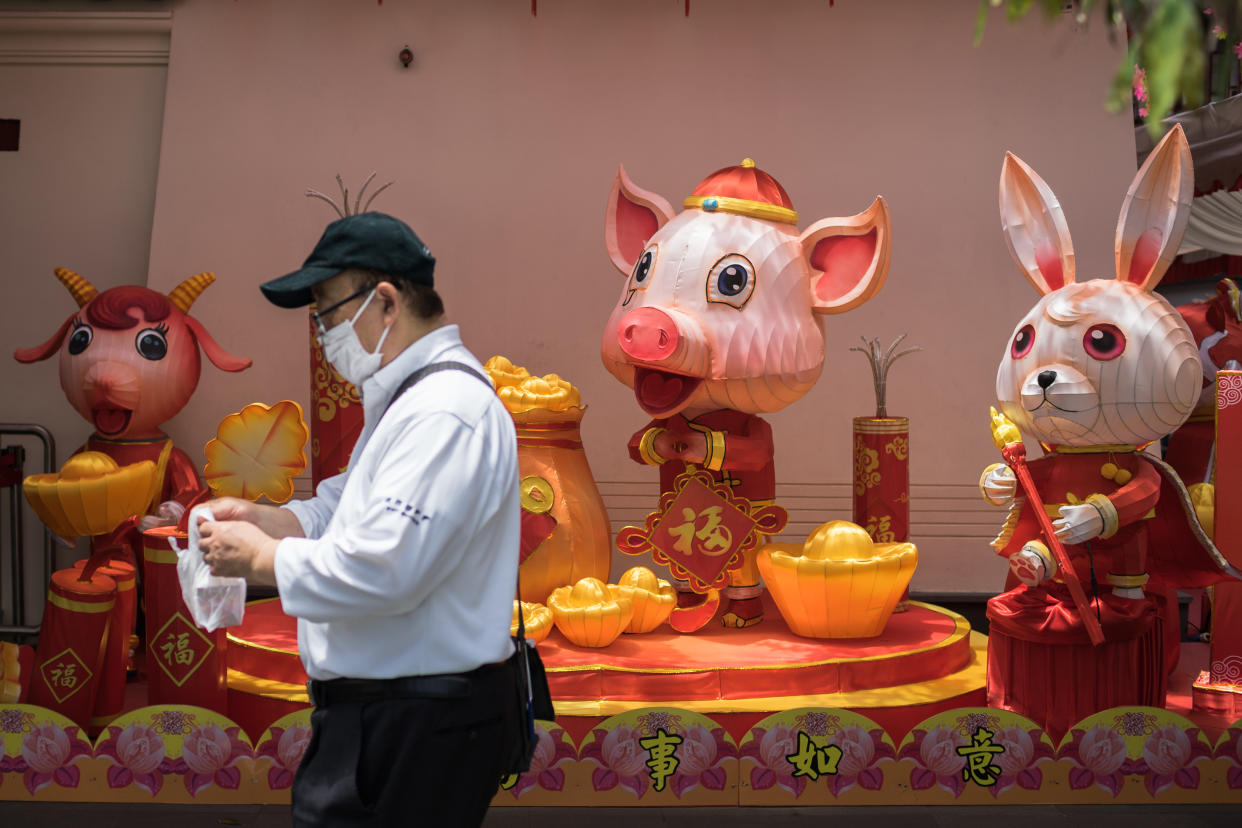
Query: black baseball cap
column 366, row 241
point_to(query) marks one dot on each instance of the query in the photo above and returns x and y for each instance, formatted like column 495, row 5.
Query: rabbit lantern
column 1094, row 372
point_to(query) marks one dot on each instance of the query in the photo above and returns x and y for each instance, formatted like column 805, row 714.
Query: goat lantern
column 128, row 362
column 719, row 320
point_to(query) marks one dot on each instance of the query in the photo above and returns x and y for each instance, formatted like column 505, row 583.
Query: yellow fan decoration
column 91, row 494
column 653, row 598
column 588, row 614
column 520, row 392
column 839, row 584
column 257, row 452
column 538, row 620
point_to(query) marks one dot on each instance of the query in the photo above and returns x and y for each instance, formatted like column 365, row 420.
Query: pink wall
column 504, row 136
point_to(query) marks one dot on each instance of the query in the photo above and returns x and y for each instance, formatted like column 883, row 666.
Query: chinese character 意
column 176, row 649
column 979, row 753
column 64, row 675
column 716, row 539
column 811, row 761
column 662, row 748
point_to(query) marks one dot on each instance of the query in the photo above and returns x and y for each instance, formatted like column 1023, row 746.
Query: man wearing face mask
column 401, row 570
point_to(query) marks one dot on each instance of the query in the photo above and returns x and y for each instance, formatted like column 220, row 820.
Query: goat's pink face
column 721, row 310
column 127, row 382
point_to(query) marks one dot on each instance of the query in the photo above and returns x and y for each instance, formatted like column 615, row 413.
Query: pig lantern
column 719, row 320
column 128, row 362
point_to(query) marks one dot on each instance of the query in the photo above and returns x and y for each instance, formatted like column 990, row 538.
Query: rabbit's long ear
column 1035, row 227
column 1154, row 214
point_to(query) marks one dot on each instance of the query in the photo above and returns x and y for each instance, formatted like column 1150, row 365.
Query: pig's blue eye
column 732, row 280
column 643, row 269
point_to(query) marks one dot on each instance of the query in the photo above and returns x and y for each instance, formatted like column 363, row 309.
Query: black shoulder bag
column 530, row 699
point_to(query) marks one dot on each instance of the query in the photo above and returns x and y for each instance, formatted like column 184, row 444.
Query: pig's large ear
column 1155, row 212
column 221, row 358
column 1035, row 227
column 849, row 258
column 634, row 215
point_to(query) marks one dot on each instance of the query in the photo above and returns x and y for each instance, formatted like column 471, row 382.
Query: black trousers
column 404, row 761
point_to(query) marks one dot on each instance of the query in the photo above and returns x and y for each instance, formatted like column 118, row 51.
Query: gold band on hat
column 742, row 207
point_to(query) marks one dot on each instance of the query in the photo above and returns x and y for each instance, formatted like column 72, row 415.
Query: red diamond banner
column 179, row 648
column 65, row 674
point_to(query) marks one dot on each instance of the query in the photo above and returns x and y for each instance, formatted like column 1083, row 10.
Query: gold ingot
column 537, row 618
column 536, row 494
column 521, row 392
column 587, row 613
column 91, row 494
column 1203, row 499
column 653, row 598
column 10, row 673
column 839, row 584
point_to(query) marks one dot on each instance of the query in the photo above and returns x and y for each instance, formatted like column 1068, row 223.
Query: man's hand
column 234, row 548
column 274, row 521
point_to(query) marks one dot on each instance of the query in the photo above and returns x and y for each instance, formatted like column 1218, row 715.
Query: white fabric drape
column 1215, row 224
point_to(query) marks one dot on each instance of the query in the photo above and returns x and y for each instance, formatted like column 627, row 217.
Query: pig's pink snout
column 648, row 334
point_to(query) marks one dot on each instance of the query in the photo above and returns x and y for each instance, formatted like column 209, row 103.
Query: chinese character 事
column 662, row 748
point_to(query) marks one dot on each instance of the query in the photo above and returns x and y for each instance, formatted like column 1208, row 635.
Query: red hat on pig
column 744, row 190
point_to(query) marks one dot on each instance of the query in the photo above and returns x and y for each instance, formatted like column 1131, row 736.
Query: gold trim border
column 961, row 629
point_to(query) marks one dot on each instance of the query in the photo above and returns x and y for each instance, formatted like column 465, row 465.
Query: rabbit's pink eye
column 1104, row 342
column 1022, row 342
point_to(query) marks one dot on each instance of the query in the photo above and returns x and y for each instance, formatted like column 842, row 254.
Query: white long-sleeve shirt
column 409, row 563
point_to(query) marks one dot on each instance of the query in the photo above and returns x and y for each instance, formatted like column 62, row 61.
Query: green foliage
column 1168, row 41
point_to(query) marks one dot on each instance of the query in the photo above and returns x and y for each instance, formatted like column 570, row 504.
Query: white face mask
column 344, row 350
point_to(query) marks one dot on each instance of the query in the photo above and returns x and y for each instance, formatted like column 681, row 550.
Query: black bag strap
column 427, row 370
column 410, row 381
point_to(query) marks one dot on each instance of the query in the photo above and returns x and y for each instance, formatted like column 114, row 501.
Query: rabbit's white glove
column 998, row 484
column 1078, row 523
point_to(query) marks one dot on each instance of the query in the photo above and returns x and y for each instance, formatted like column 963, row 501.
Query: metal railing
column 17, row 585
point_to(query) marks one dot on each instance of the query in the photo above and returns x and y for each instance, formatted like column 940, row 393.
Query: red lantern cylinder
column 337, row 419
column 882, row 480
column 185, row 664
column 70, row 659
column 110, row 700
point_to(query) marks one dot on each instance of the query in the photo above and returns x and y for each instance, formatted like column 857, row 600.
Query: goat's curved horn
column 184, row 294
column 79, row 288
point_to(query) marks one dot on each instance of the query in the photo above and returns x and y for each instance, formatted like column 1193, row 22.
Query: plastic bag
column 213, row 601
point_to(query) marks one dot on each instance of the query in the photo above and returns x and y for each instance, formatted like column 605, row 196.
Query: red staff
column 1009, row 441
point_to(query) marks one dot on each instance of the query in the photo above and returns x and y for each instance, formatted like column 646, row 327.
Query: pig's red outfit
column 1041, row 662
column 739, row 454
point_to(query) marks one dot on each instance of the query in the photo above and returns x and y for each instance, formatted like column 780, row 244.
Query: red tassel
column 687, row 8
column 534, row 8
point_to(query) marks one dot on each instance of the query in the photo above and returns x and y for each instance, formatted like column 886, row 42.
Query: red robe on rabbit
column 1094, row 371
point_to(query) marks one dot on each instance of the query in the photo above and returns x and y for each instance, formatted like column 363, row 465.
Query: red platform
column 928, row 659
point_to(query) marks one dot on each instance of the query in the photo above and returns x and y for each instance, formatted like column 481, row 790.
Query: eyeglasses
column 318, row 316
